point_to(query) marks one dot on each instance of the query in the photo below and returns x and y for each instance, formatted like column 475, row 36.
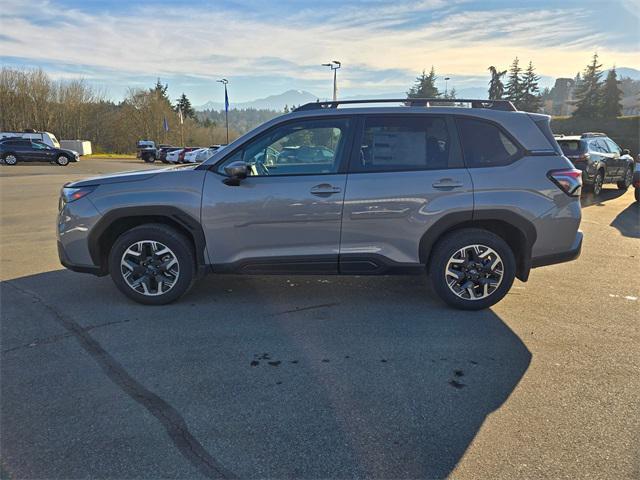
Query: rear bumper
column 560, row 257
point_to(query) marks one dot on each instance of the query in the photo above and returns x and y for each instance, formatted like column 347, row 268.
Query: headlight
column 69, row 194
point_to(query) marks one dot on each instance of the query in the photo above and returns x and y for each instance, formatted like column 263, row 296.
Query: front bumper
column 66, row 263
column 560, row 257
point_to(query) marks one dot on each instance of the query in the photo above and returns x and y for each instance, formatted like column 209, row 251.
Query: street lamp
column 334, row 65
column 224, row 81
column 446, row 84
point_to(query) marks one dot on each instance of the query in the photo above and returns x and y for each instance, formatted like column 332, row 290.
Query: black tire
column 598, row 182
column 625, row 183
column 637, row 194
column 62, row 160
column 179, row 245
column 10, row 159
column 454, row 242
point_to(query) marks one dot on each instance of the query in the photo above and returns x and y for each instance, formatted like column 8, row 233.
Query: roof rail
column 504, row 105
column 593, row 134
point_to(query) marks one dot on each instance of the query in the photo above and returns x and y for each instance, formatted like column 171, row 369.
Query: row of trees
column 522, row 87
column 595, row 98
column 76, row 110
column 425, row 87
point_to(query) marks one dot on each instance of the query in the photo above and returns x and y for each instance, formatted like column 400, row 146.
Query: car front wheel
column 62, row 160
column 472, row 269
column 152, row 264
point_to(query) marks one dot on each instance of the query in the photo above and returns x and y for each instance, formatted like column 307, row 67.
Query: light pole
column 334, row 65
column 224, row 81
column 446, row 85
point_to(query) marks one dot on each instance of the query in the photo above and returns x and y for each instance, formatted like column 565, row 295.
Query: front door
column 286, row 215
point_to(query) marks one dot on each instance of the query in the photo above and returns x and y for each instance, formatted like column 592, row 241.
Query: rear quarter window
column 485, row 144
column 570, row 147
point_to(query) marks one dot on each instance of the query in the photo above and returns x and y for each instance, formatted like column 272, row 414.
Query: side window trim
column 344, row 152
column 520, row 154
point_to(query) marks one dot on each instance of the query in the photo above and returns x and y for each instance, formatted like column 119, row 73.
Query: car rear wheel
column 62, row 160
column 625, row 183
column 472, row 269
column 152, row 264
column 637, row 194
column 596, row 188
column 10, row 159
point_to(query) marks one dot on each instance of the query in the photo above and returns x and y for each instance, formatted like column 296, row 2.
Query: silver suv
column 470, row 191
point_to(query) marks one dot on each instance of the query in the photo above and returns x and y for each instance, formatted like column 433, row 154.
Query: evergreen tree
column 611, row 95
column 160, row 92
column 515, row 91
column 184, row 104
column 531, row 99
column 496, row 87
column 425, row 86
column 588, row 92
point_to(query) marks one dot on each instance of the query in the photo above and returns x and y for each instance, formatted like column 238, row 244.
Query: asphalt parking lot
column 315, row 377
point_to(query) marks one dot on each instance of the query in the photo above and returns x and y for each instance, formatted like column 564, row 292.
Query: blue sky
column 266, row 47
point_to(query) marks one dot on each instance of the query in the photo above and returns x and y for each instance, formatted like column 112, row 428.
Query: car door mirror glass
column 236, row 171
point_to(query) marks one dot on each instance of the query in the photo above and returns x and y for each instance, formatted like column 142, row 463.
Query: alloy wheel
column 597, row 184
column 150, row 268
column 474, row 272
column 10, row 160
column 62, row 160
column 628, row 178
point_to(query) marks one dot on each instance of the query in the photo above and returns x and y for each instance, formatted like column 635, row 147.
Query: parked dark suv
column 474, row 196
column 14, row 150
column 599, row 158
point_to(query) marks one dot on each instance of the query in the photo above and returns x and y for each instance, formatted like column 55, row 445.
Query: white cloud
column 385, row 37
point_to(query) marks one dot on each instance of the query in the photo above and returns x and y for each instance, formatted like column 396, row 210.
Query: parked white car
column 199, row 155
column 173, row 156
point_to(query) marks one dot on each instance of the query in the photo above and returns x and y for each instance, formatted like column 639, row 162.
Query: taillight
column 569, row 180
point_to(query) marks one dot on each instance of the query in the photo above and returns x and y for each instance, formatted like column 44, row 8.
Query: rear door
column 616, row 151
column 406, row 173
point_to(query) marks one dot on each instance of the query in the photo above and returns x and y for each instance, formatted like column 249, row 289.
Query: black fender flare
column 468, row 219
column 174, row 214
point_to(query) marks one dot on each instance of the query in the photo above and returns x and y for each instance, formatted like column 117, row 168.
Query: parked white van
column 44, row 137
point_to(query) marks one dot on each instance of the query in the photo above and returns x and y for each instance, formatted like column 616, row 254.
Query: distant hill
column 272, row 102
column 625, row 72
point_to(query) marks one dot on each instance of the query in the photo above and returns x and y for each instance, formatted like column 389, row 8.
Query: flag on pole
column 180, row 113
column 165, row 124
column 226, row 100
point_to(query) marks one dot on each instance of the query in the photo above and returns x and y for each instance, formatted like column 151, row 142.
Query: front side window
column 484, row 144
column 306, row 147
column 404, row 143
column 613, row 148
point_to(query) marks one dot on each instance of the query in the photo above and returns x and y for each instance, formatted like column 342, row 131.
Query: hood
column 132, row 176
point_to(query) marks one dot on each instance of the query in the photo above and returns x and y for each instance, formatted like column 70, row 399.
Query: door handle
column 325, row 189
column 444, row 183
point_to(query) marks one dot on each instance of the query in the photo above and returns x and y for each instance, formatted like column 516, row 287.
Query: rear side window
column 485, row 144
column 396, row 143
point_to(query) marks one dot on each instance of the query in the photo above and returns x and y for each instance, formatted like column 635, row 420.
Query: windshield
column 54, row 140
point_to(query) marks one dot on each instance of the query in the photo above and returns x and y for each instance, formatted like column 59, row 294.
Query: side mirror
column 626, row 151
column 237, row 171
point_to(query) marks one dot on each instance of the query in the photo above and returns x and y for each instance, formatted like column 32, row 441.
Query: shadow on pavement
column 627, row 222
column 310, row 377
column 589, row 199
